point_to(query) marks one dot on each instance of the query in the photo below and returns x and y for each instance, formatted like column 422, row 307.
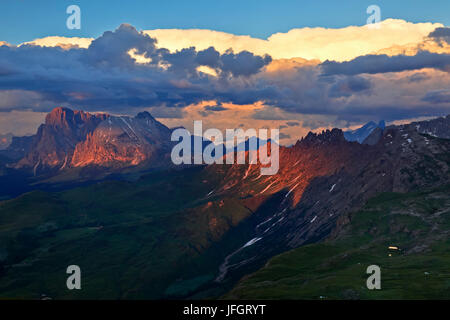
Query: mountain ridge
column 204, row 227
column 70, row 139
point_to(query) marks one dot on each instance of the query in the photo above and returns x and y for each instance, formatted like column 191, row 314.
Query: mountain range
column 70, row 139
column 225, row 230
column 101, row 142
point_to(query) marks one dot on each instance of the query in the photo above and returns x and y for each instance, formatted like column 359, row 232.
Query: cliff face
column 124, row 141
column 76, row 139
column 55, row 140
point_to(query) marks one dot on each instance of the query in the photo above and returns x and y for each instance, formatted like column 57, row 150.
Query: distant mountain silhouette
column 362, row 133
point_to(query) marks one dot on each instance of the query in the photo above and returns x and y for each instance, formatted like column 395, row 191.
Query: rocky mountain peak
column 61, row 117
column 144, row 115
column 326, row 136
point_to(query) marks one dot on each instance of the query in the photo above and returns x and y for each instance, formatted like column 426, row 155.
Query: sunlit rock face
column 313, row 156
column 55, row 140
column 76, row 139
column 123, row 141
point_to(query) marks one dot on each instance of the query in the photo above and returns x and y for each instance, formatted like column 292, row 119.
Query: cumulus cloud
column 338, row 44
column 62, row 42
column 106, row 76
column 126, row 69
column 309, row 43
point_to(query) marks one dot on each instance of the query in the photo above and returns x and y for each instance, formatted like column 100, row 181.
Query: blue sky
column 24, row 20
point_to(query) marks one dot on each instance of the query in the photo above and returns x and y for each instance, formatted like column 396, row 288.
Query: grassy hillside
column 417, row 223
column 154, row 238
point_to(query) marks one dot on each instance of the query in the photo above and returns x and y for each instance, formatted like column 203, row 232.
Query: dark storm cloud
column 356, row 113
column 207, row 110
column 111, row 49
column 215, row 108
column 105, row 76
column 349, row 86
column 228, row 64
column 373, row 64
column 442, row 33
column 244, row 63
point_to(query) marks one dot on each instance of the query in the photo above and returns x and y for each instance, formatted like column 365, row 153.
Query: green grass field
column 418, row 223
column 155, row 238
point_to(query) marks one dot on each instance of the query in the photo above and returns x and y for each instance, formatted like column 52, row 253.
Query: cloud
column 244, row 63
column 309, row 43
column 211, row 109
column 18, row 99
column 228, row 64
column 19, row 122
column 270, row 113
column 442, row 33
column 438, row 96
column 105, row 75
column 373, row 64
column 348, row 86
column 62, row 42
column 284, row 136
column 215, row 108
column 338, row 44
column 165, row 112
column 126, row 71
column 418, row 77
